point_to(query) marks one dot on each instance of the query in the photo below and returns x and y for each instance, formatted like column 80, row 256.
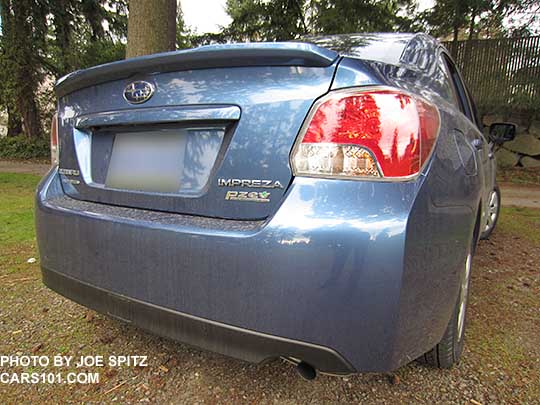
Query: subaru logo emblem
column 138, row 92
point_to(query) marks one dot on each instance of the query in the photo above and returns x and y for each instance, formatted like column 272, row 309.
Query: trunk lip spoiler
column 205, row 57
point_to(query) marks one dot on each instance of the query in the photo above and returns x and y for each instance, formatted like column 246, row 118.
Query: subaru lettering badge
column 138, row 92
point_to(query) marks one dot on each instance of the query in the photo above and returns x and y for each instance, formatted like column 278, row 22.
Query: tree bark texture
column 26, row 29
column 14, row 123
column 151, row 27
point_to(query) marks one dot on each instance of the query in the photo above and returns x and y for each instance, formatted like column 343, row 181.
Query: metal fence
column 503, row 74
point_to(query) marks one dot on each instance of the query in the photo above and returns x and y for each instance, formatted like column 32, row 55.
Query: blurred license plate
column 147, row 161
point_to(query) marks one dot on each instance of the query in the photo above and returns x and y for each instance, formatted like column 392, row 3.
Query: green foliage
column 78, row 38
column 22, row 147
column 184, row 36
column 471, row 19
column 259, row 20
column 99, row 52
column 24, row 27
column 41, row 40
column 263, row 20
column 348, row 16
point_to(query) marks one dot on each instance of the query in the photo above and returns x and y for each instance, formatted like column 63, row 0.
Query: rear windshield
column 383, row 47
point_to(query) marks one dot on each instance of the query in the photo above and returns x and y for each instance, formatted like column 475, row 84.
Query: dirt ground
column 12, row 166
column 520, row 196
column 501, row 361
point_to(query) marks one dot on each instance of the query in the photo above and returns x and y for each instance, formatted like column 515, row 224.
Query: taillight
column 373, row 133
column 55, row 147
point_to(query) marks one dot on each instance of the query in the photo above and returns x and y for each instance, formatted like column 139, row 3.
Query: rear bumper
column 214, row 336
column 333, row 278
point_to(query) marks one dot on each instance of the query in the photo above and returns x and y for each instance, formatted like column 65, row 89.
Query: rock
column 534, row 129
column 527, row 161
column 505, row 158
column 525, row 144
column 394, row 379
column 37, row 348
column 107, row 338
column 521, row 130
column 163, row 368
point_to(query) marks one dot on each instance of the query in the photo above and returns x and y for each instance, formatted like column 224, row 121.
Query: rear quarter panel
column 441, row 221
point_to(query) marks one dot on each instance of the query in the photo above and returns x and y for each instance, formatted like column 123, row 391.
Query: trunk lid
column 213, row 139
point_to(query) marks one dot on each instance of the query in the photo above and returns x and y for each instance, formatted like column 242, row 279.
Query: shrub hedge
column 22, row 147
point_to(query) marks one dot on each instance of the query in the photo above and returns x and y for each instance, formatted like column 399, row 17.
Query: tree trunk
column 30, row 116
column 62, row 30
column 151, row 27
column 471, row 25
column 456, row 22
column 14, row 123
column 28, row 31
column 301, row 15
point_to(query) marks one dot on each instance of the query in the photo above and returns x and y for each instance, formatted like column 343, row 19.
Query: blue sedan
column 318, row 201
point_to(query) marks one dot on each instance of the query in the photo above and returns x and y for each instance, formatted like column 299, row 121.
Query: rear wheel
column 494, row 206
column 448, row 351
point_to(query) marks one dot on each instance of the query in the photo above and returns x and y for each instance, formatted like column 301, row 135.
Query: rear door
column 212, row 140
column 484, row 156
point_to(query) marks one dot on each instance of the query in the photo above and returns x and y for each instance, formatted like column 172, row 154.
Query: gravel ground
column 501, row 361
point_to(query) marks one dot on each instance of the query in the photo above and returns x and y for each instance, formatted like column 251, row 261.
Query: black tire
column 491, row 210
column 448, row 351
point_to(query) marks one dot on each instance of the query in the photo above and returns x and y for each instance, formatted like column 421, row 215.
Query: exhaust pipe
column 306, row 371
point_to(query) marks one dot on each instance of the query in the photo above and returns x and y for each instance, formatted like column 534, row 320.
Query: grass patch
column 523, row 222
column 16, row 209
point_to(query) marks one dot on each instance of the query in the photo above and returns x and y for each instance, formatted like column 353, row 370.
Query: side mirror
column 501, row 132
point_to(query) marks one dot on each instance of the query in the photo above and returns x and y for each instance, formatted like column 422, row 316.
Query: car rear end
column 229, row 198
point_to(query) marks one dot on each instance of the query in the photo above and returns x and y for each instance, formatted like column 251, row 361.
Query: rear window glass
column 385, row 48
column 444, row 81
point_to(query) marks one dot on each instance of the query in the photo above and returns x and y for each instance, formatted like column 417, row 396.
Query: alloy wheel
column 493, row 210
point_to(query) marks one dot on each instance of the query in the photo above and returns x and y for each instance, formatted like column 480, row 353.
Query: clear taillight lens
column 55, row 147
column 367, row 134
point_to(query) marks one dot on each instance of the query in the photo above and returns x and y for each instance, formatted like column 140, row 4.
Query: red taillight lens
column 370, row 133
column 55, row 147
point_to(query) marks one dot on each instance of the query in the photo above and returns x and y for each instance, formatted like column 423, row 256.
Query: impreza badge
column 253, row 183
